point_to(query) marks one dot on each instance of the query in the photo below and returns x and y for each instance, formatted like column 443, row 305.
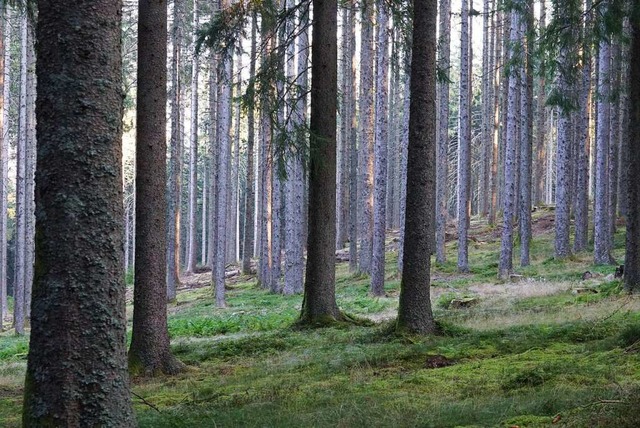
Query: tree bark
column 367, row 137
column 76, row 369
column 464, row 143
column 414, row 312
column 192, row 246
column 632, row 257
column 319, row 304
column 380, row 163
column 442, row 163
column 149, row 353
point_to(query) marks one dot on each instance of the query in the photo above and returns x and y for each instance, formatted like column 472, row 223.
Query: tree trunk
column 249, row 221
column 175, row 161
column 294, row 257
column 380, row 164
column 601, row 240
column 510, row 166
column 526, row 133
column 584, row 144
column 353, row 149
column 632, row 257
column 464, row 143
column 192, row 246
column 319, row 304
column 224, row 154
column 367, row 137
column 21, row 191
column 540, row 148
column 5, row 74
column 414, row 312
column 442, row 162
column 76, row 370
column 149, row 353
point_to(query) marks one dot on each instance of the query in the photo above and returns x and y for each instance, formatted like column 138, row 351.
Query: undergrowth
column 549, row 350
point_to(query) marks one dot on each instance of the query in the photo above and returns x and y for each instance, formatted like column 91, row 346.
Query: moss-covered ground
column 549, row 349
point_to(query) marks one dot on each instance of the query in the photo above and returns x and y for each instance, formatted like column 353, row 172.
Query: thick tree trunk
column 76, row 370
column 319, row 303
column 149, row 353
column 442, row 160
column 632, row 257
column 414, row 312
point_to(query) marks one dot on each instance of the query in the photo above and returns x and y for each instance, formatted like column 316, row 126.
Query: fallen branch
column 146, row 402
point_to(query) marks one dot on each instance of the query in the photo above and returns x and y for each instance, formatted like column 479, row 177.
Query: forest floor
column 546, row 349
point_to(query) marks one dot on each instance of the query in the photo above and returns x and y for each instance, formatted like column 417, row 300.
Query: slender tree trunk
column 234, row 207
column 5, row 64
column 404, row 158
column 495, row 150
column 442, row 163
column 485, row 165
column 510, row 167
column 175, row 161
column 76, row 369
column 342, row 197
column 319, row 303
column 149, row 353
column 21, row 196
column 526, row 133
column 367, row 137
column 540, row 148
column 192, row 246
column 464, row 143
column 602, row 247
column 380, row 164
column 414, row 312
column 353, row 149
column 224, row 153
column 614, row 140
column 584, row 144
column 250, row 192
column 294, row 264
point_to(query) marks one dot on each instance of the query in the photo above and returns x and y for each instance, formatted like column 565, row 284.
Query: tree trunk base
column 166, row 365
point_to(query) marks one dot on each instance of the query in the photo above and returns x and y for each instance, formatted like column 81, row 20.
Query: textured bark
column 342, row 196
column 30, row 230
column 213, row 153
column 5, row 67
column 510, row 166
column 623, row 157
column 294, row 257
column 414, row 312
column 224, row 155
column 76, row 370
column 367, row 137
column 319, row 303
column 234, row 208
column 21, row 191
column 353, row 149
column 495, row 137
column 541, row 129
column 404, row 147
column 464, row 143
column 487, row 101
column 149, row 353
column 614, row 137
column 584, row 145
column 174, row 193
column 601, row 239
column 632, row 257
column 250, row 206
column 526, row 133
column 192, row 240
column 380, row 163
column 442, row 160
